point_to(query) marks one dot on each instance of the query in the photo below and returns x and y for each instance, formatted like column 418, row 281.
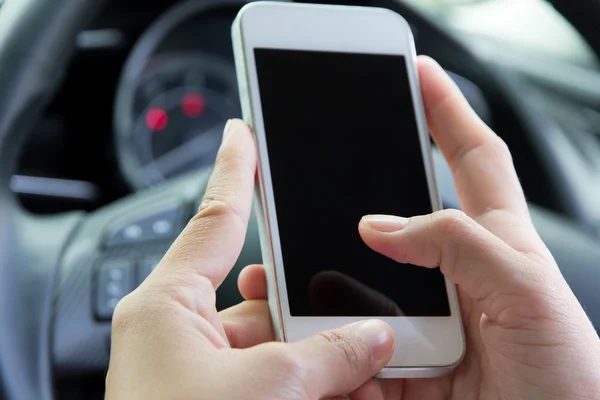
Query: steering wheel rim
column 36, row 43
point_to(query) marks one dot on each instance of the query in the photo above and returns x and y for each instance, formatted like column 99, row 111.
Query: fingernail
column 377, row 335
column 385, row 223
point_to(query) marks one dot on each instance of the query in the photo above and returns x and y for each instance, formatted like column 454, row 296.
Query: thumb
column 333, row 362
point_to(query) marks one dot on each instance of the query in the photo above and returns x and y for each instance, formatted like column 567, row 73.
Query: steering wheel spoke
column 29, row 253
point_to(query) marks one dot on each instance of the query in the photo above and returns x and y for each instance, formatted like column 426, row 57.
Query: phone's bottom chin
column 411, row 372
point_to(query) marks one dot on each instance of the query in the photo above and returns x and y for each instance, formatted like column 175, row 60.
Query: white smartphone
column 333, row 96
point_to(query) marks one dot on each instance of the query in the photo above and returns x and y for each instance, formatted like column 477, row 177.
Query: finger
column 483, row 171
column 339, row 361
column 213, row 239
column 247, row 324
column 396, row 389
column 252, row 283
column 485, row 267
column 371, row 390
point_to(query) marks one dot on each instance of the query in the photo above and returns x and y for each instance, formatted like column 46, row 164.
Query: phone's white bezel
column 425, row 346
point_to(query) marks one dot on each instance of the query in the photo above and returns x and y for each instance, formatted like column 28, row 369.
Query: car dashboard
column 144, row 100
column 152, row 84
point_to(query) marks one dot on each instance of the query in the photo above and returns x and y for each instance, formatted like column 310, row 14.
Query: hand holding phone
column 167, row 333
column 528, row 337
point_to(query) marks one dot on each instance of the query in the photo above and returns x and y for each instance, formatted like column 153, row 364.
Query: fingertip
column 384, row 223
column 365, row 229
column 252, row 283
column 376, row 240
column 367, row 234
column 426, row 62
column 247, row 324
column 371, row 390
column 237, row 137
column 235, row 125
column 378, row 336
column 436, row 84
column 427, row 67
column 341, row 360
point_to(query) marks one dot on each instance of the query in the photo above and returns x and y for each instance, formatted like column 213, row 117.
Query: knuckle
column 402, row 255
column 454, row 228
column 126, row 314
column 193, row 291
column 351, row 349
column 499, row 147
column 215, row 206
column 284, row 360
column 289, row 379
column 451, row 223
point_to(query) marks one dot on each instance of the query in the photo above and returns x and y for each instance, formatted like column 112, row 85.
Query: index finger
column 213, row 239
column 481, row 163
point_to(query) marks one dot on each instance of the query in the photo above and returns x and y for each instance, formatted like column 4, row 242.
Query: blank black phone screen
column 342, row 143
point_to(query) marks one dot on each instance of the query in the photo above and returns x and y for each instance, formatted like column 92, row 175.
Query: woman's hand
column 527, row 335
column 169, row 342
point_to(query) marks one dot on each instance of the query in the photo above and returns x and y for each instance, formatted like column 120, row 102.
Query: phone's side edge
column 409, row 373
column 436, row 203
column 259, row 194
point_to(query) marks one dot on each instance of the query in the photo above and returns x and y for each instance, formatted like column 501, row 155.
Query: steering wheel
column 61, row 275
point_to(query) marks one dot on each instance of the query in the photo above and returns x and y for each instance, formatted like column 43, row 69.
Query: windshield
column 520, row 25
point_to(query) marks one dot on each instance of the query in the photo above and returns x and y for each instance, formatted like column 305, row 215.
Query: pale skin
column 527, row 335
